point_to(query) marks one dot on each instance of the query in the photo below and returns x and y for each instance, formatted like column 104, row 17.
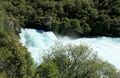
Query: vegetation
column 15, row 61
column 74, row 62
column 80, row 17
column 66, row 17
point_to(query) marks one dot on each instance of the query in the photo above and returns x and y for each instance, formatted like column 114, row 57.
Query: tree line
column 69, row 17
column 80, row 17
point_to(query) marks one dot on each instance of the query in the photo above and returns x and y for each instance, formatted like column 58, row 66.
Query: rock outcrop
column 13, row 25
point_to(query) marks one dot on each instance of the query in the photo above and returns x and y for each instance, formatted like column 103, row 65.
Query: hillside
column 75, row 18
column 80, row 17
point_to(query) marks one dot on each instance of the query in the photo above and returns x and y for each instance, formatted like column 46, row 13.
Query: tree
column 72, row 61
column 15, row 61
column 47, row 70
column 102, row 25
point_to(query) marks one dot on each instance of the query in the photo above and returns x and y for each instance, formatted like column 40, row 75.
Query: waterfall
column 38, row 42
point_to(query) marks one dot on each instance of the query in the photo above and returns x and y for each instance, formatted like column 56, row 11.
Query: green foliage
column 47, row 70
column 3, row 32
column 102, row 26
column 72, row 27
column 15, row 61
column 69, row 17
column 75, row 62
column 95, row 17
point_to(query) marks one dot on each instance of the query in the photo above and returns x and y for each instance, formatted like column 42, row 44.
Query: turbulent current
column 38, row 42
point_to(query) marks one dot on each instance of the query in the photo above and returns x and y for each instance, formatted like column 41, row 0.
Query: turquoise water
column 38, row 42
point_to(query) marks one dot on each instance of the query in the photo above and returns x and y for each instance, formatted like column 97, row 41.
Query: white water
column 38, row 41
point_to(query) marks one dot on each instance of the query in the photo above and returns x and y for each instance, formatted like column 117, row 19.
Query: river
column 38, row 42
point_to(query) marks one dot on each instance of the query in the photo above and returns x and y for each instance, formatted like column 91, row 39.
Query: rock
column 13, row 25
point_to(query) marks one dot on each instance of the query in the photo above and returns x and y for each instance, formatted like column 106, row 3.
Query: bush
column 75, row 62
column 15, row 61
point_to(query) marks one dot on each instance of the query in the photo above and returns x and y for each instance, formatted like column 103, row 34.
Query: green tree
column 76, row 62
column 15, row 61
column 47, row 70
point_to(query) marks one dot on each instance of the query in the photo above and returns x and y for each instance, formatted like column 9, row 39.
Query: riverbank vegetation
column 74, row 62
column 15, row 60
column 80, row 17
column 68, row 17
